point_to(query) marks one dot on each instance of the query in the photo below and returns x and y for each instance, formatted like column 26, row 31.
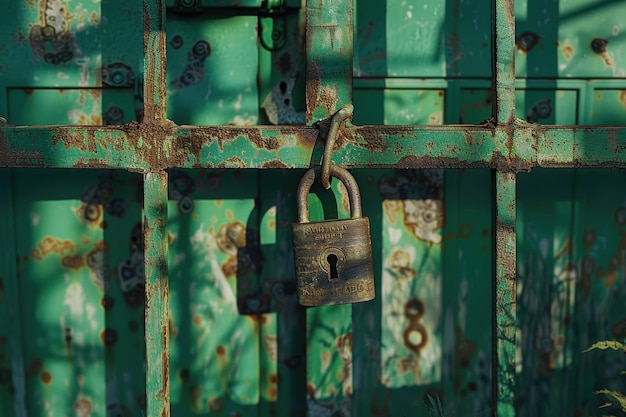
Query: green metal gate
column 160, row 281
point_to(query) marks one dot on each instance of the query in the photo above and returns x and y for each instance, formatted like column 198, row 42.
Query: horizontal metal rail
column 149, row 147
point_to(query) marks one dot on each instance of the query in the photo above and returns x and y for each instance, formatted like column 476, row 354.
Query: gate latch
column 273, row 24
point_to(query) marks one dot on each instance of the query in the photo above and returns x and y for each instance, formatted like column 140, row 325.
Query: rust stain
column 73, row 261
column 83, row 407
column 196, row 396
column 272, row 390
column 455, row 49
column 107, row 302
column 109, row 337
column 233, row 161
column 46, row 378
column 312, row 87
column 94, row 19
column 622, row 97
column 277, row 163
column 415, row 335
column 216, row 405
column 51, row 245
column 568, row 52
column 527, row 41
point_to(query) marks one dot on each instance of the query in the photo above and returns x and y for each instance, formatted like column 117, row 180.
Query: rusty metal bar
column 329, row 37
column 142, row 148
column 155, row 84
column 517, row 142
column 329, row 34
column 505, row 293
column 503, row 61
column 156, row 301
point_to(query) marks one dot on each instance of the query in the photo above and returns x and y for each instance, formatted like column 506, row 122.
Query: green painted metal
column 71, row 46
column 154, row 62
column 565, row 49
column 224, row 334
column 289, row 147
column 156, row 283
column 570, row 236
column 505, row 310
column 329, row 58
column 212, row 70
column 12, row 363
column 503, row 62
column 77, row 335
column 330, row 380
column 433, row 38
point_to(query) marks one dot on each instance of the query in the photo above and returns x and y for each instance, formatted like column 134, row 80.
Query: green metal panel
column 70, row 44
column 399, row 106
column 489, row 283
column 71, row 106
column 609, row 106
column 571, row 38
column 212, row 70
column 214, row 265
column 81, row 332
column 571, row 290
column 435, row 38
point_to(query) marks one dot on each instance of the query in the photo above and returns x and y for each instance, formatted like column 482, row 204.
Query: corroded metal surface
column 157, row 320
column 329, row 33
column 505, row 310
column 329, row 58
column 503, row 62
column 239, row 341
column 141, row 147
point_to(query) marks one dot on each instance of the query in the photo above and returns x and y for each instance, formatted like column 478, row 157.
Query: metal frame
column 504, row 144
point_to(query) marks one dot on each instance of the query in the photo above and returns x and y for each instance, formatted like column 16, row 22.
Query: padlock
column 333, row 258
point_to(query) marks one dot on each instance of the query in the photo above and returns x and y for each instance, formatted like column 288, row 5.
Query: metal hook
column 341, row 116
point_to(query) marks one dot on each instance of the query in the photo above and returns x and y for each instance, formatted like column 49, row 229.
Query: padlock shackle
column 354, row 195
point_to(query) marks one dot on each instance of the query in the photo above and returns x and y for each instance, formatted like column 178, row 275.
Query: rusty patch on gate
column 17, row 158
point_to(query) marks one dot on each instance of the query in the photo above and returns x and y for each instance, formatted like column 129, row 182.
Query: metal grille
column 504, row 144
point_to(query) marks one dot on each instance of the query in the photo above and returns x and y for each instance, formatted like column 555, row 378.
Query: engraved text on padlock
column 333, row 258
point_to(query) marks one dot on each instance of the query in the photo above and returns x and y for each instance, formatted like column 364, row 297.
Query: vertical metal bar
column 155, row 217
column 157, row 307
column 154, row 44
column 11, row 299
column 505, row 293
column 503, row 61
column 329, row 33
column 329, row 37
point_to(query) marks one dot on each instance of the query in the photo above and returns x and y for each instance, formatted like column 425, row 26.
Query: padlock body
column 314, row 246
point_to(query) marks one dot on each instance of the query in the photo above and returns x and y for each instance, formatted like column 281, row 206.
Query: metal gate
column 222, row 333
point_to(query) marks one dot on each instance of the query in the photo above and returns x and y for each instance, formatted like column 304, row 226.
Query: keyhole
column 332, row 262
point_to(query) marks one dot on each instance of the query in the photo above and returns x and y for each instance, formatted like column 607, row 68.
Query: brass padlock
column 333, row 258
